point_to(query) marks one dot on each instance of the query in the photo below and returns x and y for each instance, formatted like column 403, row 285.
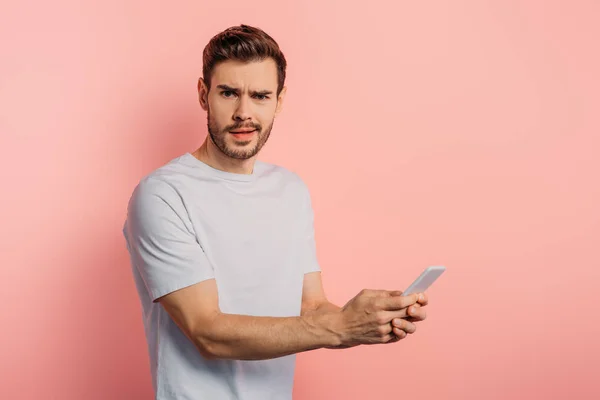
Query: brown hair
column 242, row 43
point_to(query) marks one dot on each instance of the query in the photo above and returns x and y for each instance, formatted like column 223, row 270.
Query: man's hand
column 416, row 313
column 367, row 318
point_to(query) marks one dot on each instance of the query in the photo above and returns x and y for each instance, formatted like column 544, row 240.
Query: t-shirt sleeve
column 308, row 245
column 161, row 240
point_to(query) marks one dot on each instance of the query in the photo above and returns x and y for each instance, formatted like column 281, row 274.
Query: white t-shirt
column 188, row 222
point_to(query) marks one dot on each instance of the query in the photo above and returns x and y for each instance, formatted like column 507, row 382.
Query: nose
column 242, row 111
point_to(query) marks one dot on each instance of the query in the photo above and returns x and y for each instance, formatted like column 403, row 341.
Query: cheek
column 265, row 115
column 220, row 113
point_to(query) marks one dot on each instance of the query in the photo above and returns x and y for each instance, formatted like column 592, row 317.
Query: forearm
column 244, row 337
column 327, row 307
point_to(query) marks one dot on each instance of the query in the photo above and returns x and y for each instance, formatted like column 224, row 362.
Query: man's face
column 241, row 106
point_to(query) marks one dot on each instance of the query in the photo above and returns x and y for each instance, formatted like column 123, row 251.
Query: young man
column 223, row 252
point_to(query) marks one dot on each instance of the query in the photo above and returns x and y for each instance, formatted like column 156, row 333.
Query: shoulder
column 162, row 181
column 288, row 175
column 157, row 189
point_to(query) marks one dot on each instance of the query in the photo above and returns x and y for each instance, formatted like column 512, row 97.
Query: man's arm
column 365, row 319
column 327, row 307
column 227, row 336
column 313, row 296
column 314, row 301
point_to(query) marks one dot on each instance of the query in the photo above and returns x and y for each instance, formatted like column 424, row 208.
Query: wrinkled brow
column 237, row 91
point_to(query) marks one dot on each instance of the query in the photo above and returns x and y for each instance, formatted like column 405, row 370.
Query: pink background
column 462, row 133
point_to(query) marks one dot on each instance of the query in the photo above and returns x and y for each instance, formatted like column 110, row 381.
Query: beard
column 237, row 150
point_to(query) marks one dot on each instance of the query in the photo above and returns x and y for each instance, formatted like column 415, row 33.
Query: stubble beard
column 218, row 138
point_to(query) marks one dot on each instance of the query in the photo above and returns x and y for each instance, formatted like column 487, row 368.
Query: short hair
column 242, row 43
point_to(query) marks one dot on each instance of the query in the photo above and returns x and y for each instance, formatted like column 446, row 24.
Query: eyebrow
column 253, row 92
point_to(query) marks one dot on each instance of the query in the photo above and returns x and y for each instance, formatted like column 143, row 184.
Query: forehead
column 259, row 75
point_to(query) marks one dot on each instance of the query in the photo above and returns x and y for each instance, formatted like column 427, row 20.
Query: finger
column 376, row 293
column 392, row 338
column 396, row 293
column 416, row 313
column 396, row 303
column 385, row 329
column 423, row 299
column 404, row 325
column 387, row 316
column 399, row 334
column 387, row 339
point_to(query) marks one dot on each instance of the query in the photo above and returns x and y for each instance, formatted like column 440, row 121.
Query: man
column 223, row 252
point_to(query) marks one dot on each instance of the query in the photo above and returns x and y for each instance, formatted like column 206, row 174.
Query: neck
column 209, row 154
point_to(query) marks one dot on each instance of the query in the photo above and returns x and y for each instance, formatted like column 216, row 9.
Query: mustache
column 242, row 126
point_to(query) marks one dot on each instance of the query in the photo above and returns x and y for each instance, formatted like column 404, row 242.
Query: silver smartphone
column 424, row 280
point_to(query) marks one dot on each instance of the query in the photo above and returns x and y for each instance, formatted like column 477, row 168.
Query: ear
column 203, row 94
column 280, row 100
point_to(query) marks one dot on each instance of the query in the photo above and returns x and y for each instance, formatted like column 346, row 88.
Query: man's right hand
column 366, row 318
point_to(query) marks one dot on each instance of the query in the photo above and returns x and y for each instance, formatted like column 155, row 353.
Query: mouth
column 243, row 134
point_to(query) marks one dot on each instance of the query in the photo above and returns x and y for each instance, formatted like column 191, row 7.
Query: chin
column 235, row 143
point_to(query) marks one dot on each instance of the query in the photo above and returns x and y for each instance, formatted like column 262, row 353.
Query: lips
column 243, row 131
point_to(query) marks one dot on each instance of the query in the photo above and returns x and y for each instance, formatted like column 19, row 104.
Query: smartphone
column 424, row 280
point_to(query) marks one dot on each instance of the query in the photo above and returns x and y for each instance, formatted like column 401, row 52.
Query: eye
column 261, row 96
column 227, row 93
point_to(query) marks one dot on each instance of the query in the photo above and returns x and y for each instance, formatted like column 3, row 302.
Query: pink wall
column 462, row 133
